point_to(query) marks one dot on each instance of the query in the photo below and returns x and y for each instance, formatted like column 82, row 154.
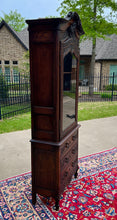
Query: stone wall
column 105, row 73
column 10, row 50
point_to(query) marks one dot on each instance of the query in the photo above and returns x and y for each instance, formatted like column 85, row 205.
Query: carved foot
column 57, row 204
column 76, row 173
column 33, row 198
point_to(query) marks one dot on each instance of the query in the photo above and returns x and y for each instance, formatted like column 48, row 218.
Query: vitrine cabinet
column 54, row 62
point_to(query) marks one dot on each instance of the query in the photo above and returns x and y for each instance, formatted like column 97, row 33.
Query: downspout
column 100, row 75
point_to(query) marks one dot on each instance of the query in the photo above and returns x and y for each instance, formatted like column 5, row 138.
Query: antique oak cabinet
column 54, row 61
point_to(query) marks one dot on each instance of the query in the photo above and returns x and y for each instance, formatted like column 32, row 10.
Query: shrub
column 73, row 86
column 21, row 87
column 3, row 88
column 109, row 87
column 106, row 95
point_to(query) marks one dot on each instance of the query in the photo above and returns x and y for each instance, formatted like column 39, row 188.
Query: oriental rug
column 92, row 196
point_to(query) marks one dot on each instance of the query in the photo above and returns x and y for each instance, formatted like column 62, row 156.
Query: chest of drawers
column 53, row 165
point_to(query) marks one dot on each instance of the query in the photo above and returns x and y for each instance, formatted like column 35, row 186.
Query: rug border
column 22, row 174
column 97, row 153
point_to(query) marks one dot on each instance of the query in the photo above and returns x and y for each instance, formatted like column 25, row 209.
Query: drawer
column 69, row 156
column 68, row 144
column 67, row 174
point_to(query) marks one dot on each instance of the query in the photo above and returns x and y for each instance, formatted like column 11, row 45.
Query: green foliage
column 14, row 19
column 3, row 88
column 106, row 95
column 92, row 14
column 70, row 94
column 94, row 22
column 109, row 87
column 19, row 87
column 25, row 66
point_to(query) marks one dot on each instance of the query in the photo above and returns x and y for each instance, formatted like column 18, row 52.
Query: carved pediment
column 76, row 26
column 72, row 25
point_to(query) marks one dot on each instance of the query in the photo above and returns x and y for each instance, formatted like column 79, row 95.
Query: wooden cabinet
column 54, row 62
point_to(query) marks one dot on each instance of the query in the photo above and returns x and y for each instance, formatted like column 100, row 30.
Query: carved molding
column 75, row 27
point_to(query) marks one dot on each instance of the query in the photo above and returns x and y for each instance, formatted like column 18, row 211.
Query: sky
column 31, row 9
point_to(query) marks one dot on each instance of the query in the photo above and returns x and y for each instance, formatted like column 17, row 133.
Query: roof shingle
column 105, row 49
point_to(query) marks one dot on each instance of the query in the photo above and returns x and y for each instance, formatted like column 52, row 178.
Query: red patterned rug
column 92, row 196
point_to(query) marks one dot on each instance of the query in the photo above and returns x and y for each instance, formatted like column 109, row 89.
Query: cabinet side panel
column 42, row 74
column 44, row 165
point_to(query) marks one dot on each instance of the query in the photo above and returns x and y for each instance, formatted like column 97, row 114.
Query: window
column 15, row 75
column 6, row 62
column 15, row 62
column 0, row 70
column 7, row 74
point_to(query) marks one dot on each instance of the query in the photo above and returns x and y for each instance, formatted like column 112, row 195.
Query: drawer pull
column 67, row 145
column 74, row 137
column 73, row 164
column 73, row 151
column 66, row 160
column 66, row 173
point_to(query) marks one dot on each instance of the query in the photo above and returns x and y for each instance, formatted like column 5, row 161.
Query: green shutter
column 0, row 70
column 113, row 69
column 15, row 75
column 81, row 72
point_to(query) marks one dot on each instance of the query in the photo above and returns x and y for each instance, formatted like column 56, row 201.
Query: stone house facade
column 13, row 45
column 12, row 49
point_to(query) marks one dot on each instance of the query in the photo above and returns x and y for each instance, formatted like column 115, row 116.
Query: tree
column 94, row 21
column 15, row 20
column 25, row 66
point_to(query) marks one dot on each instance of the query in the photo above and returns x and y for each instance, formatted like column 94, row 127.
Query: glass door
column 69, row 90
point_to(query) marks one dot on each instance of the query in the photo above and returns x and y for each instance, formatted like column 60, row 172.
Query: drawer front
column 68, row 143
column 69, row 157
column 67, row 174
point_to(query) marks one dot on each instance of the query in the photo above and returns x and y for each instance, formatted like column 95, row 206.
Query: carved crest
column 75, row 24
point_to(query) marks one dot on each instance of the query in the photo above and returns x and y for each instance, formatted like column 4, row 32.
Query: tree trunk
column 91, row 77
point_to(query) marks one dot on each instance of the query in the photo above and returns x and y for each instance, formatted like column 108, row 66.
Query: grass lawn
column 92, row 110
column 86, row 111
column 16, row 123
column 12, row 108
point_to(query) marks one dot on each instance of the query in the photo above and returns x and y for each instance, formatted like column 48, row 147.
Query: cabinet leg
column 33, row 198
column 76, row 173
column 57, row 204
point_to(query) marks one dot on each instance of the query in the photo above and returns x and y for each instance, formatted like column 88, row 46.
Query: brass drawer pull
column 73, row 151
column 66, row 173
column 66, row 160
column 67, row 145
column 74, row 137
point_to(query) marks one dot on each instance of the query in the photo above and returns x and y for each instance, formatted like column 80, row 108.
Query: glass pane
column 15, row 75
column 69, row 90
column 0, row 69
column 7, row 74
